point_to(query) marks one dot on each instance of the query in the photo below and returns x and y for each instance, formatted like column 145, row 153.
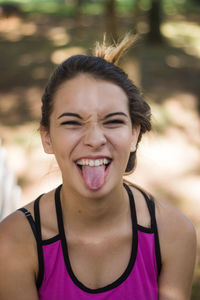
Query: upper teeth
column 93, row 162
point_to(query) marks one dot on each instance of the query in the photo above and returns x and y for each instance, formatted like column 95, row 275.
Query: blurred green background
column 37, row 35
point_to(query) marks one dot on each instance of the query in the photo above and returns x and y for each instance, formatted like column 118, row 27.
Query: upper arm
column 178, row 249
column 17, row 273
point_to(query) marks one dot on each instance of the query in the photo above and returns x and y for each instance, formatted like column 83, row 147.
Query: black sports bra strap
column 35, row 226
column 151, row 206
column 132, row 204
column 37, row 217
column 30, row 220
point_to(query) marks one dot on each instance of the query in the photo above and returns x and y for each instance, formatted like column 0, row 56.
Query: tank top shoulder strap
column 31, row 221
column 150, row 201
column 36, row 229
column 34, row 223
column 37, row 216
column 151, row 206
column 132, row 204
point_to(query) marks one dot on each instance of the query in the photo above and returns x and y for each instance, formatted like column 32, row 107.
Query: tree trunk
column 77, row 8
column 111, row 19
column 136, row 7
column 155, row 19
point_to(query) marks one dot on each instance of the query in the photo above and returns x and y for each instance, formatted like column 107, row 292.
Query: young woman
column 95, row 236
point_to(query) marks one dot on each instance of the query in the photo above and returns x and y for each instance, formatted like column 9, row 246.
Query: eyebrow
column 69, row 114
column 116, row 114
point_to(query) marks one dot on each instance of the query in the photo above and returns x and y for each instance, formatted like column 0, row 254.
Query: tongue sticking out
column 94, row 176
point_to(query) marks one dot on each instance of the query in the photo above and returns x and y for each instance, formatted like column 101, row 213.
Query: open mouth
column 94, row 171
column 93, row 162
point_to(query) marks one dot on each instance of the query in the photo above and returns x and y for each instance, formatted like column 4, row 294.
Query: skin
column 98, row 223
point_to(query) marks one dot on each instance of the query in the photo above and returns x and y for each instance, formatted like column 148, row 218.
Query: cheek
column 121, row 140
column 64, row 142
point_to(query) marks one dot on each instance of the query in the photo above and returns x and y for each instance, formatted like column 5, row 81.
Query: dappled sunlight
column 28, row 29
column 181, row 107
column 195, row 51
column 59, row 56
column 14, row 29
column 175, row 61
column 182, row 111
column 183, row 34
column 10, row 24
column 166, row 157
column 33, row 96
column 12, row 36
column 58, row 36
column 7, row 102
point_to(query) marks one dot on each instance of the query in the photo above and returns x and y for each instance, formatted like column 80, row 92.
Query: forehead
column 87, row 94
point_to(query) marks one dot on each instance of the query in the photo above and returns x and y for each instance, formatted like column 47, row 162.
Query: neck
column 93, row 213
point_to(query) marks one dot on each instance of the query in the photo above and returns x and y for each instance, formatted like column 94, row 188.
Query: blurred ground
column 168, row 157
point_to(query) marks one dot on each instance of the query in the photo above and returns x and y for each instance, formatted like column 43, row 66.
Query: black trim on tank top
column 144, row 229
column 37, row 236
column 151, row 207
column 40, row 250
column 132, row 259
column 51, row 240
column 37, row 217
column 31, row 222
column 156, row 237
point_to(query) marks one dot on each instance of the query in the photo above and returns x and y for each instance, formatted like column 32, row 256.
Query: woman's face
column 90, row 134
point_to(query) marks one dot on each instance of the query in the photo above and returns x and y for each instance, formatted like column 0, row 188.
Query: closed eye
column 116, row 121
column 74, row 123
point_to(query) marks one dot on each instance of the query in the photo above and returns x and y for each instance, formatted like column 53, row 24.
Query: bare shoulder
column 170, row 218
column 18, row 253
column 18, row 259
column 172, row 223
column 175, row 229
column 15, row 236
column 11, row 226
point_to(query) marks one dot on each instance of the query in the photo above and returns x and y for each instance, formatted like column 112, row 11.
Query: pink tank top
column 139, row 281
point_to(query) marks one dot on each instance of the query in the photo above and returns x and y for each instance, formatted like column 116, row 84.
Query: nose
column 94, row 137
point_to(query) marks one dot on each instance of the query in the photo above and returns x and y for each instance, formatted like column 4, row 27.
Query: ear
column 135, row 135
column 46, row 140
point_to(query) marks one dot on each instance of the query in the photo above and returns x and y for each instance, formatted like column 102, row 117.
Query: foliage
column 170, row 7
